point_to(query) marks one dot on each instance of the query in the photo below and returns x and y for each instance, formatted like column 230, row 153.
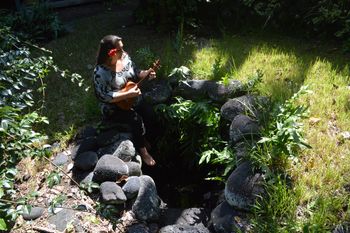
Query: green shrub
column 21, row 76
column 35, row 22
column 195, row 124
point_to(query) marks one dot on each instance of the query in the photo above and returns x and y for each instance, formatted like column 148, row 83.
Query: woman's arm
column 103, row 89
column 145, row 73
column 122, row 95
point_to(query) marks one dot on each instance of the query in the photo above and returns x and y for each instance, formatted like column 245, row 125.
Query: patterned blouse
column 107, row 82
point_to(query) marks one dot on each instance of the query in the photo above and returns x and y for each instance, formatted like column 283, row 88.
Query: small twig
column 44, row 229
column 62, row 171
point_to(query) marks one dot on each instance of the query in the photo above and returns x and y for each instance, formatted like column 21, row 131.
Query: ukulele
column 128, row 103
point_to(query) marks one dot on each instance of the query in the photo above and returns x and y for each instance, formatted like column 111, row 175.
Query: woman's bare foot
column 146, row 157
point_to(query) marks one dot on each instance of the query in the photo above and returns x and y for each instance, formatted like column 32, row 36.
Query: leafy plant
column 253, row 81
column 53, row 179
column 180, row 73
column 179, row 39
column 90, row 186
column 224, row 158
column 145, row 57
column 283, row 137
column 194, row 123
column 167, row 15
column 56, row 203
column 216, row 69
column 21, row 76
column 280, row 144
column 36, row 20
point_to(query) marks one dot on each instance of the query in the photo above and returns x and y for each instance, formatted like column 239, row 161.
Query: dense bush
column 315, row 18
column 21, row 76
column 18, row 72
column 37, row 22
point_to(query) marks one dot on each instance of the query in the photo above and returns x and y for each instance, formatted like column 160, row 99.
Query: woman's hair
column 106, row 44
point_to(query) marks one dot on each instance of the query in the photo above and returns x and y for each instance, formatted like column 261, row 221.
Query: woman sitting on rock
column 114, row 68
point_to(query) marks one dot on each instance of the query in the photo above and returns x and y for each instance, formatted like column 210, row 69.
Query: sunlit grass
column 321, row 173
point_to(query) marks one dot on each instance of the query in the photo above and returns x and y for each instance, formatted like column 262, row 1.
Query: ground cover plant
column 312, row 194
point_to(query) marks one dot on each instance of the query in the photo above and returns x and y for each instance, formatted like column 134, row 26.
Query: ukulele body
column 127, row 103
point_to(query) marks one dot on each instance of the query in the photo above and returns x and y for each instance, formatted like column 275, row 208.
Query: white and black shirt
column 108, row 82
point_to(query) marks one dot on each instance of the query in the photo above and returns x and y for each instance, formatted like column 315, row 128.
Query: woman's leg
column 135, row 121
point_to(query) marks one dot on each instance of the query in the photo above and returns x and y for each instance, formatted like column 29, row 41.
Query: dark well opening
column 183, row 187
column 180, row 180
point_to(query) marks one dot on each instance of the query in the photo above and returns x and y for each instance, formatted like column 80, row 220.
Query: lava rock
column 86, row 161
column 125, row 150
column 183, row 228
column 138, row 228
column 112, row 193
column 241, row 150
column 110, row 168
column 157, row 91
column 34, row 213
column 243, row 128
column 190, row 216
column 192, row 89
column 81, row 176
column 111, row 135
column 62, row 218
column 86, row 132
column 242, row 105
column 146, row 206
column 224, row 218
column 131, row 187
column 220, row 93
column 60, row 159
column 134, row 168
column 88, row 144
column 243, row 187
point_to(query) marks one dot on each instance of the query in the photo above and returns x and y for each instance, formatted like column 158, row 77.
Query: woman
column 113, row 69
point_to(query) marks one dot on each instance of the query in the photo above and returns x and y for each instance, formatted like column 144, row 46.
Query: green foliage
column 36, row 20
column 194, row 123
column 313, row 18
column 275, row 212
column 145, row 57
column 283, row 138
column 280, row 144
column 253, row 81
column 181, row 73
column 21, row 76
column 53, row 179
column 179, row 39
column 56, row 203
column 19, row 72
column 216, row 69
column 110, row 212
column 90, row 186
column 167, row 14
column 3, row 225
column 224, row 158
column 317, row 18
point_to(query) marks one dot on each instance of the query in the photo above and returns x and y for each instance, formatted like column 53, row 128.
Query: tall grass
column 318, row 198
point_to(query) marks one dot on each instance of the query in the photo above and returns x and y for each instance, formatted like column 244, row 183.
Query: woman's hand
column 151, row 74
column 134, row 91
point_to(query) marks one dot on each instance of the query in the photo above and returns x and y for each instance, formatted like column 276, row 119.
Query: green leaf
column 3, row 226
column 4, row 125
column 1, row 192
